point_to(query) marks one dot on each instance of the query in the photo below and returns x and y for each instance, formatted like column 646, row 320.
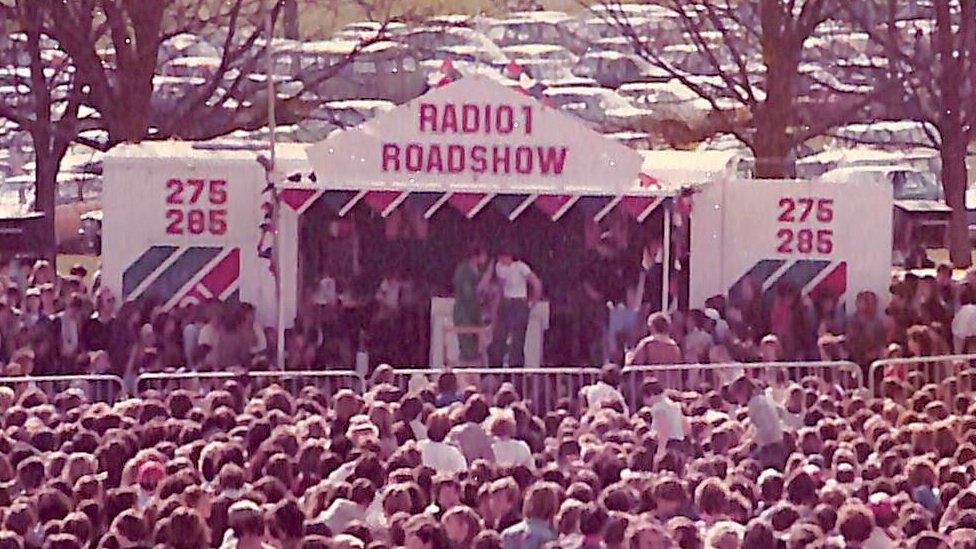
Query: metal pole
column 275, row 202
column 666, row 259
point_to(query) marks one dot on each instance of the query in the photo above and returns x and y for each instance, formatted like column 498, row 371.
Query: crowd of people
column 751, row 461
column 445, row 466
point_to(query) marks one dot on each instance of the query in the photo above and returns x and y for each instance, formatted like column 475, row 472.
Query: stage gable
column 475, row 135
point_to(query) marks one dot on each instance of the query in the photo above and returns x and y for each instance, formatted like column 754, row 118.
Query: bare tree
column 931, row 48
column 44, row 103
column 105, row 55
column 767, row 83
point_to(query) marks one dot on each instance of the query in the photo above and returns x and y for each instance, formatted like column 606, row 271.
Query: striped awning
column 300, row 193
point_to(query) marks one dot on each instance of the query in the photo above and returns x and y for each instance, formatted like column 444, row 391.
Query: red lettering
column 487, row 118
column 428, row 117
column 414, row 157
column 391, row 157
column 504, row 120
column 523, row 159
column 501, row 156
column 479, row 164
column 551, row 159
column 434, row 162
column 455, row 158
column 449, row 122
column 527, row 112
column 470, row 120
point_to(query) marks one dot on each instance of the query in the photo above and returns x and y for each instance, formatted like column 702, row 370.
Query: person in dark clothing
column 97, row 334
column 602, row 281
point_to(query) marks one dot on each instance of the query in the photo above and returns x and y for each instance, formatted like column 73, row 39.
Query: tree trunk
column 773, row 117
column 45, row 191
column 954, row 179
column 290, row 15
column 773, row 145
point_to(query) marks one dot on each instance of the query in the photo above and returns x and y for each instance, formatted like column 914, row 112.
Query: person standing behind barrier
column 767, row 421
column 964, row 322
column 667, row 419
column 512, row 320
column 657, row 348
column 605, row 390
column 865, row 330
column 467, row 302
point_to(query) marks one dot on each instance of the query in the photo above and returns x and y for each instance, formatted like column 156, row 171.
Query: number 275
column 799, row 209
column 216, row 191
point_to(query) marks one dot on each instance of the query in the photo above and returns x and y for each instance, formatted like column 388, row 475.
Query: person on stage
column 512, row 319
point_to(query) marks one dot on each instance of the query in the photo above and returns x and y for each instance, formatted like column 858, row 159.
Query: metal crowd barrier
column 844, row 374
column 541, row 388
column 97, row 388
column 933, row 369
column 328, row 381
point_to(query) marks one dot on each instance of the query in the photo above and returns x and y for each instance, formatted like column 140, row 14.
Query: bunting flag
column 445, row 75
column 525, row 83
column 469, row 204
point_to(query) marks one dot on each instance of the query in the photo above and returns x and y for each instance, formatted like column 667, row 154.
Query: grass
column 90, row 262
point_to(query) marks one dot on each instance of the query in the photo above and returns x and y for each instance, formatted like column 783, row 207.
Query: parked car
column 545, row 27
column 367, row 30
column 429, row 40
column 612, row 69
column 670, row 100
column 339, row 115
column 382, row 70
column 601, row 108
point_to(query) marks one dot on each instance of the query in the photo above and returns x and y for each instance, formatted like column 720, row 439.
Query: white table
column 442, row 316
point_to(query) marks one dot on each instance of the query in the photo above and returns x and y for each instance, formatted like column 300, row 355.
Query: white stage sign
column 809, row 235
column 474, row 134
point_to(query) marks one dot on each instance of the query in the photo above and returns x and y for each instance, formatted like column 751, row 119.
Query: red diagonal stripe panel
column 834, row 284
column 221, row 277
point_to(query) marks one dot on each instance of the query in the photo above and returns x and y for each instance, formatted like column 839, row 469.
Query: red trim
column 381, row 200
column 551, row 203
column 296, row 198
column 465, row 202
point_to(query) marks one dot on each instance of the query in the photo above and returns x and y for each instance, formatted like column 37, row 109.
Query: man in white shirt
column 964, row 323
column 437, row 454
column 604, row 390
column 667, row 418
column 767, row 421
column 512, row 319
